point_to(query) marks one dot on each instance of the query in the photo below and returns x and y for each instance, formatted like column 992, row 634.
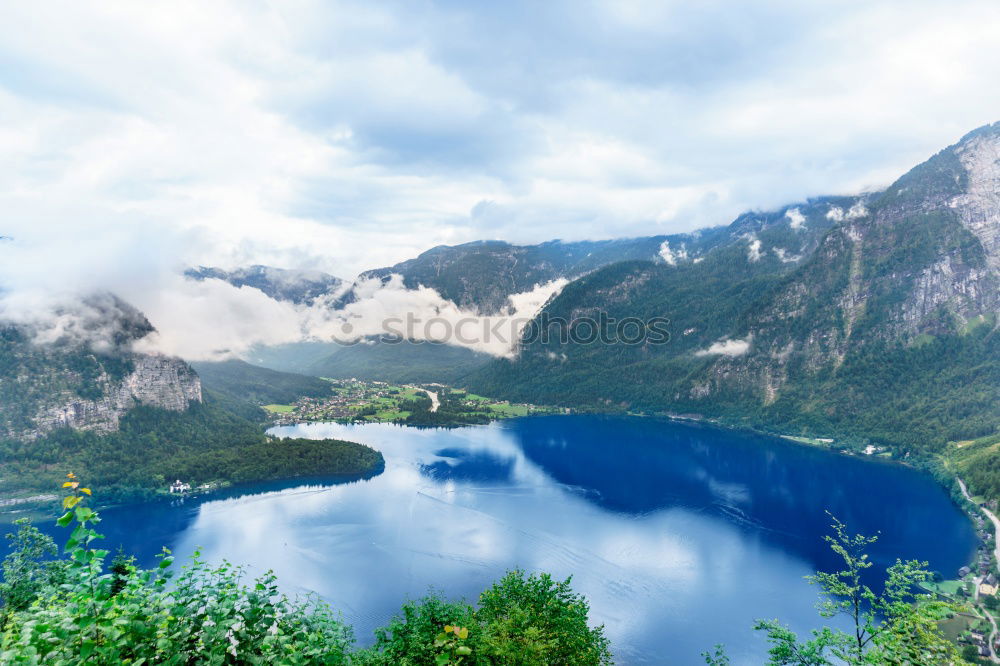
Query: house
column 991, row 579
column 962, row 573
column 179, row 487
column 987, row 589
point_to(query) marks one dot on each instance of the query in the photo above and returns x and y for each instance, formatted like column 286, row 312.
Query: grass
column 978, row 322
column 280, row 409
column 387, row 415
column 947, row 587
column 982, row 442
column 806, row 440
column 509, row 410
column 954, row 627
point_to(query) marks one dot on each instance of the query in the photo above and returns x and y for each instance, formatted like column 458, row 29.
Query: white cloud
column 344, row 136
column 672, row 256
column 754, row 253
column 785, row 256
column 211, row 319
column 733, row 347
column 836, row 213
column 796, row 220
column 856, row 211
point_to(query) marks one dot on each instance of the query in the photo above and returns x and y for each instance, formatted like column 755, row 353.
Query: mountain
column 66, row 381
column 872, row 316
column 371, row 359
column 481, row 275
column 76, row 397
column 292, row 357
column 400, row 362
column 296, row 286
column 243, row 381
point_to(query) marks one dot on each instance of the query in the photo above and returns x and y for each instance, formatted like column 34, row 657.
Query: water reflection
column 679, row 536
column 471, row 466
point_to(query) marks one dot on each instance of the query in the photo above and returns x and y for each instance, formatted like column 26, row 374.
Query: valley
column 862, row 325
column 500, row 334
column 379, row 402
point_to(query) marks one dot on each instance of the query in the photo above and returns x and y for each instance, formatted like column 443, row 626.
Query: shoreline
column 36, row 504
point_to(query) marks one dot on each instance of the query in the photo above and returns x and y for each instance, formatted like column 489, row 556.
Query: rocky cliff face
column 978, row 206
column 923, row 261
column 156, row 381
column 75, row 369
column 879, row 310
column 480, row 276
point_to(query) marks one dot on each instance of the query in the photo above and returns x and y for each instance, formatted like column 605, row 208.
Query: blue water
column 680, row 536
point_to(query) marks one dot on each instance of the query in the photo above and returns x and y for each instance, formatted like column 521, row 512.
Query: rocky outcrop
column 979, row 206
column 922, row 260
column 823, row 291
column 74, row 367
column 155, row 381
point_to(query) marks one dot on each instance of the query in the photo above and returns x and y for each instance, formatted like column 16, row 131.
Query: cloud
column 856, row 211
column 211, row 319
column 784, row 256
column 724, row 347
column 796, row 220
column 343, row 136
column 754, row 253
column 672, row 256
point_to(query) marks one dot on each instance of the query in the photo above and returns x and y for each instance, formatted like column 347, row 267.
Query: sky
column 349, row 135
column 139, row 138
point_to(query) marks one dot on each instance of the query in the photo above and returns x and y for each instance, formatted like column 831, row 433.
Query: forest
column 219, row 440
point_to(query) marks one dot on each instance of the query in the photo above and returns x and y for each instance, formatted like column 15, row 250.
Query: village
column 354, row 400
column 973, row 594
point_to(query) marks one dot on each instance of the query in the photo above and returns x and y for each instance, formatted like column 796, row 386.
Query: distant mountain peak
column 978, row 206
column 283, row 284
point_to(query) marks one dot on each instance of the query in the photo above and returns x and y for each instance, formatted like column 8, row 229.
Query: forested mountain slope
column 82, row 372
column 480, row 276
column 242, row 381
column 886, row 330
column 77, row 397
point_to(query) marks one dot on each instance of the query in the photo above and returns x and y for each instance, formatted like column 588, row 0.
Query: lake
column 679, row 535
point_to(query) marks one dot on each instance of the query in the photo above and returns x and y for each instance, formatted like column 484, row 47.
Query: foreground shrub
column 895, row 626
column 526, row 620
column 208, row 615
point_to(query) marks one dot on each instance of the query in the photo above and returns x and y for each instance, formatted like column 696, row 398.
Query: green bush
column 530, row 620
